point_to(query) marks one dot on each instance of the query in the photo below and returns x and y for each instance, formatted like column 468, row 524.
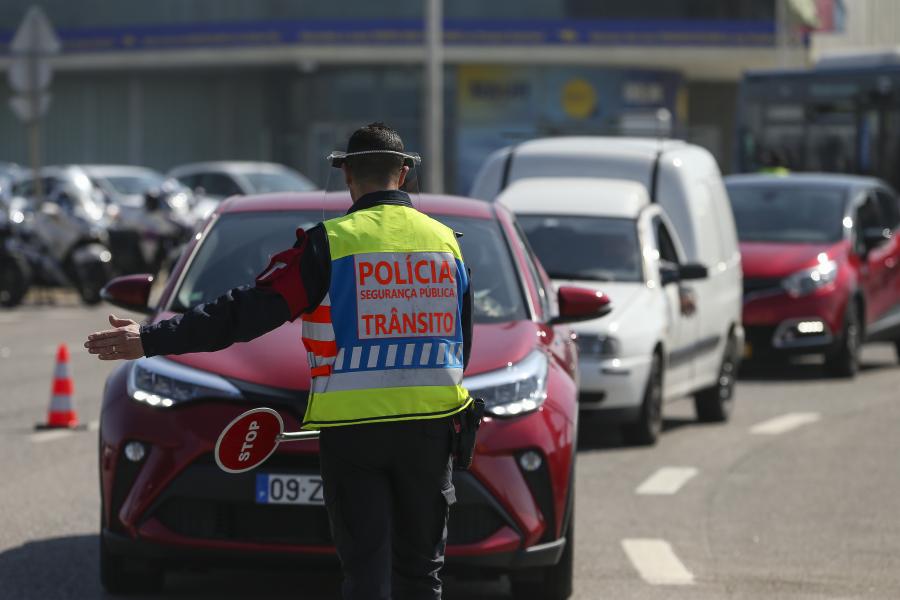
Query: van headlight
column 156, row 381
column 807, row 281
column 517, row 389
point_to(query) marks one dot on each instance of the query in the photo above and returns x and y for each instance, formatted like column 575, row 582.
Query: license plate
column 289, row 489
column 748, row 350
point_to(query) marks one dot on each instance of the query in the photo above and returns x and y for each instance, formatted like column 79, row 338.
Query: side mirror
column 580, row 304
column 692, row 271
column 671, row 273
column 131, row 292
column 668, row 273
column 875, row 236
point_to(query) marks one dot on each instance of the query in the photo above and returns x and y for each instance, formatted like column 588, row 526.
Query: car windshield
column 585, row 248
column 264, row 182
column 788, row 214
column 132, row 185
column 238, row 247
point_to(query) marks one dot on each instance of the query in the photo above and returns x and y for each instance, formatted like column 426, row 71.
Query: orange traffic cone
column 61, row 412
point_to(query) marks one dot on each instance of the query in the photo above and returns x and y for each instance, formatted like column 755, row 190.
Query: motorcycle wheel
column 92, row 277
column 15, row 279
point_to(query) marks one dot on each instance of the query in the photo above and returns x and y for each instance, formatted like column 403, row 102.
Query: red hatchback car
column 821, row 260
column 165, row 504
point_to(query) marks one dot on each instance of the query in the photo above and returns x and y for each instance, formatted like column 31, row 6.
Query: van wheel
column 844, row 362
column 552, row 583
column 645, row 431
column 119, row 576
column 715, row 403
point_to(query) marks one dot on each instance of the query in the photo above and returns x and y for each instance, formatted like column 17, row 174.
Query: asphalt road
column 797, row 497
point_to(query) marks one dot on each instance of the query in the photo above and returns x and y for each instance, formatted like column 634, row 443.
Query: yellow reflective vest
column 386, row 343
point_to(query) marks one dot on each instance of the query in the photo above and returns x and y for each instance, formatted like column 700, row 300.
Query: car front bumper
column 175, row 502
column 778, row 325
column 614, row 385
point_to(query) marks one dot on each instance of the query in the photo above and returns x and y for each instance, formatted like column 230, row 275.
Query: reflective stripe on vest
column 386, row 344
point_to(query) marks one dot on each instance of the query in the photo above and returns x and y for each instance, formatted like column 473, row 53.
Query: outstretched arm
column 295, row 281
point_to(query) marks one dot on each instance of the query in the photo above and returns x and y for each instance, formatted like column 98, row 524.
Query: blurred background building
column 172, row 81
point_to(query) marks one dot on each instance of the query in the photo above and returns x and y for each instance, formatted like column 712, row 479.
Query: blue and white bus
column 842, row 116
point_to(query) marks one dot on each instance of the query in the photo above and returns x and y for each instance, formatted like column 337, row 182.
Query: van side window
column 667, row 249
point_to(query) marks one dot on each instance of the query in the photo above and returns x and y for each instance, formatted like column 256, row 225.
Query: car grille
column 591, row 397
column 762, row 285
column 245, row 521
column 471, row 523
column 760, row 336
column 204, row 503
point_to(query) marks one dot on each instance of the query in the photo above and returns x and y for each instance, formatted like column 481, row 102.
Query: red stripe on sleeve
column 282, row 275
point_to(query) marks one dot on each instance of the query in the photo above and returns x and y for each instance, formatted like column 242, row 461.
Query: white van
column 685, row 181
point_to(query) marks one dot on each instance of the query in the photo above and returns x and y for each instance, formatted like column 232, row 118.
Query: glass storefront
column 497, row 106
column 162, row 119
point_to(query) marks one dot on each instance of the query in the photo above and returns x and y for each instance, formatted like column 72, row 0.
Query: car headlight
column 597, row 346
column 157, row 381
column 807, row 281
column 518, row 389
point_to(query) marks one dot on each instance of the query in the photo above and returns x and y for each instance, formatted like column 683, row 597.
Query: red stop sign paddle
column 251, row 438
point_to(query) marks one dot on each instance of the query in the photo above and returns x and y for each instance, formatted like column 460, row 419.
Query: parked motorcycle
column 149, row 239
column 15, row 273
column 64, row 238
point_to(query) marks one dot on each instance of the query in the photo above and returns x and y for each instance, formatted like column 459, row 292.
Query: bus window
column 822, row 119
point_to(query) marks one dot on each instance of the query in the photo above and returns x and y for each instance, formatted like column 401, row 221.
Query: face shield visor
column 336, row 185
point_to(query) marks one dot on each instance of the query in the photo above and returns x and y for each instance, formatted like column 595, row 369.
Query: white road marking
column 784, row 423
column 656, row 562
column 666, row 481
column 49, row 435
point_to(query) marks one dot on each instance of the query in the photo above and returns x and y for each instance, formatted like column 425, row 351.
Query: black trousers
column 388, row 491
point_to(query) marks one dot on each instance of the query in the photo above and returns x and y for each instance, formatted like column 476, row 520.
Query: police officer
column 386, row 306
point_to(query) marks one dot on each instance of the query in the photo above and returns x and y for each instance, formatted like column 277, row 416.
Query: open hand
column 123, row 342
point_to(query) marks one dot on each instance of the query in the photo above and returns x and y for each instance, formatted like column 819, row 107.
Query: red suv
column 165, row 504
column 821, row 273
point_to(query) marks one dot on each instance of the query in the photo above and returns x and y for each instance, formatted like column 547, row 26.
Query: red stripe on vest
column 321, row 348
column 320, row 371
column 322, row 314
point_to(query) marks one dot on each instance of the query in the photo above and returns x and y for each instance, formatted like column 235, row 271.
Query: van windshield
column 788, row 214
column 585, row 248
